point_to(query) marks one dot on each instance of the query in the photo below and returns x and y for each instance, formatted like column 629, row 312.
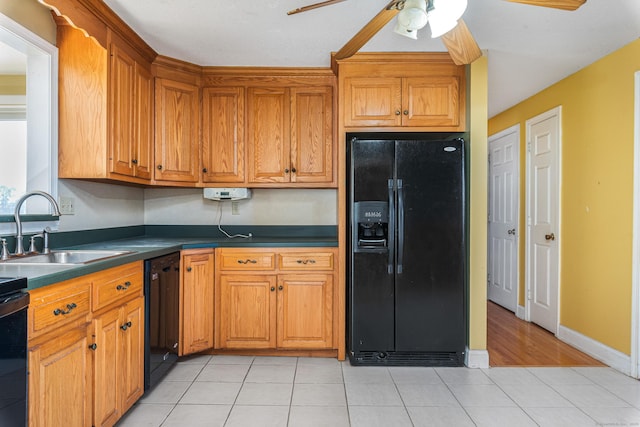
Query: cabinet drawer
column 117, row 284
column 306, row 261
column 245, row 261
column 57, row 305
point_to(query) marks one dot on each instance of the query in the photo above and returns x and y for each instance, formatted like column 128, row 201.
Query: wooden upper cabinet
column 414, row 102
column 312, row 134
column 106, row 109
column 373, row 102
column 268, row 133
column 290, row 134
column 177, row 131
column 425, row 92
column 223, row 147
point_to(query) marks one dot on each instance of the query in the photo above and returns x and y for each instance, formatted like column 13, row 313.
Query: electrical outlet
column 235, row 208
column 67, row 205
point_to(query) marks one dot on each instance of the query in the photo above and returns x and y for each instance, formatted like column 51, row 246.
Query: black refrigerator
column 407, row 251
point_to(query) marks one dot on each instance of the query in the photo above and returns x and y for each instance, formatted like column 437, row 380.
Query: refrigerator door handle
column 400, row 225
column 391, row 226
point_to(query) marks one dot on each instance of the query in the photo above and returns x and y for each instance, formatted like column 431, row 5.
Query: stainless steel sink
column 73, row 256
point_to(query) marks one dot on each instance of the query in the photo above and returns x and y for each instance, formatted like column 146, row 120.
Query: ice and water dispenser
column 371, row 231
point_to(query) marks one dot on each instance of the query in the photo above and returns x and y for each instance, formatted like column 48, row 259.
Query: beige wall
column 31, row 15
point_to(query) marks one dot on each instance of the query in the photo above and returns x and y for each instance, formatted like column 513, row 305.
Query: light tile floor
column 289, row 391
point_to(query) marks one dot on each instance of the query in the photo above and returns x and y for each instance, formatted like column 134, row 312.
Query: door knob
column 550, row 236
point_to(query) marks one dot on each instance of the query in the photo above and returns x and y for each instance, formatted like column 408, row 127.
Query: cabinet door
column 121, row 114
column 60, row 381
column 431, row 101
column 305, row 311
column 312, row 134
column 131, row 364
column 223, row 135
column 177, row 131
column 107, row 378
column 372, row 102
column 143, row 163
column 247, row 311
column 197, row 302
column 268, row 135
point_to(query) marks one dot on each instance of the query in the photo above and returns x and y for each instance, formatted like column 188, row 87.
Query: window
column 28, row 123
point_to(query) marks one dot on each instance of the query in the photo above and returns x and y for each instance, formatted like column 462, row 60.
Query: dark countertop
column 147, row 247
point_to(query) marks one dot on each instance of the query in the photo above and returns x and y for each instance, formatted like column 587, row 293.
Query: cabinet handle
column 125, row 326
column 397, row 112
column 123, row 287
column 550, row 236
column 134, row 161
column 280, row 288
column 286, row 170
column 159, row 167
column 405, row 112
column 70, row 307
column 189, row 269
column 247, row 261
column 273, row 288
column 306, row 261
column 205, row 170
column 93, row 346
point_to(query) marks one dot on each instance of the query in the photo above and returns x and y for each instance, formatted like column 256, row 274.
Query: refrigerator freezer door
column 371, row 284
column 429, row 291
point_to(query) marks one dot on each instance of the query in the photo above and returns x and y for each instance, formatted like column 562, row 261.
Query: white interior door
column 502, row 251
column 543, row 148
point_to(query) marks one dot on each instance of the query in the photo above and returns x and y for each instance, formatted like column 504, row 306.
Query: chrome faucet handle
column 32, row 243
column 4, row 253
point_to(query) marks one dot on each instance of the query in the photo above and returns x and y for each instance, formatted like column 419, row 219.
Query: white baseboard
column 476, row 359
column 595, row 349
column 520, row 312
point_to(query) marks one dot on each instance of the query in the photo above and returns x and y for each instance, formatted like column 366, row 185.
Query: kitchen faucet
column 56, row 212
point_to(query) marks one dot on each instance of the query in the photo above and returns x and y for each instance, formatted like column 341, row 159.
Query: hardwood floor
column 514, row 342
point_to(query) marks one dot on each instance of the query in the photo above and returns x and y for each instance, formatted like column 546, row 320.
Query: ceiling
column 528, row 48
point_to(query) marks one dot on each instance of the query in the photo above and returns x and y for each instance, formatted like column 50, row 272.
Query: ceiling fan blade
column 369, row 30
column 313, row 6
column 557, row 4
column 461, row 45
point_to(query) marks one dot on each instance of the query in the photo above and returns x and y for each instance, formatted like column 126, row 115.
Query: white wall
column 181, row 206
column 100, row 205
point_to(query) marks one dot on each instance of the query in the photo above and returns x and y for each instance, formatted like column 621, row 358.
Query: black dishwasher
column 162, row 316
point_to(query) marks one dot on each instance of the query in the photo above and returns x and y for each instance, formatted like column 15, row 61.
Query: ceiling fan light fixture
column 444, row 16
column 413, row 15
column 404, row 31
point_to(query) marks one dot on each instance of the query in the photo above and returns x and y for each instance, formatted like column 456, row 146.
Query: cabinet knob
column 293, row 170
column 126, row 326
column 286, row 170
column 93, row 346
column 405, row 112
column 273, row 288
column 204, row 170
column 189, row 269
column 134, row 161
column 159, row 167
column 280, row 288
column 397, row 112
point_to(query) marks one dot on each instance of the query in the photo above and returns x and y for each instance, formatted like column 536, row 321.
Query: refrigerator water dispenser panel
column 372, row 226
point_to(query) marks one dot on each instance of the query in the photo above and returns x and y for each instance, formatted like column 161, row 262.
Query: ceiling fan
column 458, row 40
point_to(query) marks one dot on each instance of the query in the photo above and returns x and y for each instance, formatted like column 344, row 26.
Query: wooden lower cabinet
column 305, row 311
column 86, row 367
column 247, row 311
column 275, row 299
column 196, row 295
column 119, row 361
column 60, row 375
